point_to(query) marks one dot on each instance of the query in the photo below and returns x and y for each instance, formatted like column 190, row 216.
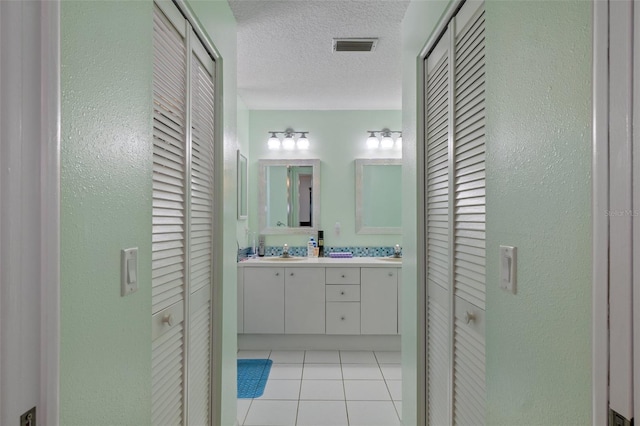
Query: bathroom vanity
column 310, row 297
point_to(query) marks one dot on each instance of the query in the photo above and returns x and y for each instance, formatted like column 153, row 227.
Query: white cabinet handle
column 469, row 317
column 168, row 319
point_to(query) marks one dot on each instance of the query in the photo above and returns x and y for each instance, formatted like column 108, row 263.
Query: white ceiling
column 285, row 57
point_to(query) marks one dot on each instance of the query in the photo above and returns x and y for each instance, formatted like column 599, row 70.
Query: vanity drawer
column 343, row 276
column 343, row 318
column 342, row 293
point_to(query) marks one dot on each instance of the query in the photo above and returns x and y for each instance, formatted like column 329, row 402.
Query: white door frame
column 615, row 99
column 600, row 222
column 30, row 209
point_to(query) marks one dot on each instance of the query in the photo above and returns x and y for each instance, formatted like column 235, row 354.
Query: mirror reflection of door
column 305, row 195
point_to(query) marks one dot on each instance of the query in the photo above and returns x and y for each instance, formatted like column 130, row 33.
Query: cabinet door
column 343, row 318
column 379, row 301
column 264, row 300
column 304, row 298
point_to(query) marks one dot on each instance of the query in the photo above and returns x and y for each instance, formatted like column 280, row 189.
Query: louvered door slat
column 166, row 400
column 438, row 355
column 168, row 171
column 199, row 365
column 202, row 173
column 470, row 158
column 168, row 215
column 469, row 373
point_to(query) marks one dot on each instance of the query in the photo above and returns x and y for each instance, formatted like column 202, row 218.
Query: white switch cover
column 508, row 270
column 129, row 271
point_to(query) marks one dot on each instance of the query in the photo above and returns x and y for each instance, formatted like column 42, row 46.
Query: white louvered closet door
column 183, row 194
column 169, row 217
column 201, row 233
column 455, row 221
column 437, row 88
column 469, row 247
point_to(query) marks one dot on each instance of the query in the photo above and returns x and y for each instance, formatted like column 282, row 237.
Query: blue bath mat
column 252, row 377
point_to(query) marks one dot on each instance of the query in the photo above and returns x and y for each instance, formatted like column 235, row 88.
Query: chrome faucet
column 285, row 250
column 396, row 251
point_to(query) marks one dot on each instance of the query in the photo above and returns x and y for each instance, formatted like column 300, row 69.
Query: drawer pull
column 342, row 318
column 342, row 275
column 342, row 293
column 291, row 274
column 469, row 317
column 277, row 274
column 168, row 319
column 390, row 274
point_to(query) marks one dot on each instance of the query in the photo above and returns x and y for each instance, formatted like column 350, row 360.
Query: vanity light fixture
column 387, row 142
column 289, row 142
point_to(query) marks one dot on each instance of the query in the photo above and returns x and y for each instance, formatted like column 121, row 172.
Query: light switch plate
column 508, row 263
column 128, row 271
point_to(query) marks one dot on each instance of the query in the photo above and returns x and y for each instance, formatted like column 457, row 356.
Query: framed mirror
column 378, row 196
column 289, row 196
column 243, row 196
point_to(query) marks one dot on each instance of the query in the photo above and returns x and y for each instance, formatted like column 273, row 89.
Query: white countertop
column 321, row 262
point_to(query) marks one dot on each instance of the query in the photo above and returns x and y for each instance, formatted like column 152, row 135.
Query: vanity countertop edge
column 322, row 262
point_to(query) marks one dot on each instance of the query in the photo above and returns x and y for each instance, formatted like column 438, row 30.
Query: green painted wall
column 107, row 56
column 538, row 199
column 106, row 159
column 337, row 138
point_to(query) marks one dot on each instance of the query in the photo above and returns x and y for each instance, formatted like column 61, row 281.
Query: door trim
column 39, row 23
column 50, row 213
column 600, row 222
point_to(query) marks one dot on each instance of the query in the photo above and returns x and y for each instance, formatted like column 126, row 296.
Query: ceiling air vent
column 354, row 44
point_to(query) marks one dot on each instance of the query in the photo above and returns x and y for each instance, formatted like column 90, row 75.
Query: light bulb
column 273, row 142
column 372, row 141
column 399, row 142
column 303, row 142
column 288, row 142
column 386, row 142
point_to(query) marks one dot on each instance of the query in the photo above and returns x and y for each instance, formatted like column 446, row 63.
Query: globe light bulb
column 372, row 141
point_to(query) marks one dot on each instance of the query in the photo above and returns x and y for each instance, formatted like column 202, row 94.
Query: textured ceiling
column 285, row 57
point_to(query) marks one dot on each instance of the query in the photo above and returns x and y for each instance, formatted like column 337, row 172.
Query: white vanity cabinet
column 304, row 301
column 321, row 297
column 264, row 300
column 379, row 301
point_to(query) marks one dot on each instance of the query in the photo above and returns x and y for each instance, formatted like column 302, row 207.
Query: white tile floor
column 326, row 388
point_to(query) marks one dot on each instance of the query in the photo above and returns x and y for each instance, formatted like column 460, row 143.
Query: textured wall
column 337, row 138
column 107, row 56
column 538, row 199
column 105, row 368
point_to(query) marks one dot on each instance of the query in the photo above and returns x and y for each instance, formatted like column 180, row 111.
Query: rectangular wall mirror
column 378, row 196
column 243, row 196
column 289, row 196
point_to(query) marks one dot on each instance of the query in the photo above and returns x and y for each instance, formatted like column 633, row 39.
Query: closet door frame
column 421, row 160
column 218, row 177
column 615, row 264
column 40, row 79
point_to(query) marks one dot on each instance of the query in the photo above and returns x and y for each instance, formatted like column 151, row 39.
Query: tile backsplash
column 369, row 251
